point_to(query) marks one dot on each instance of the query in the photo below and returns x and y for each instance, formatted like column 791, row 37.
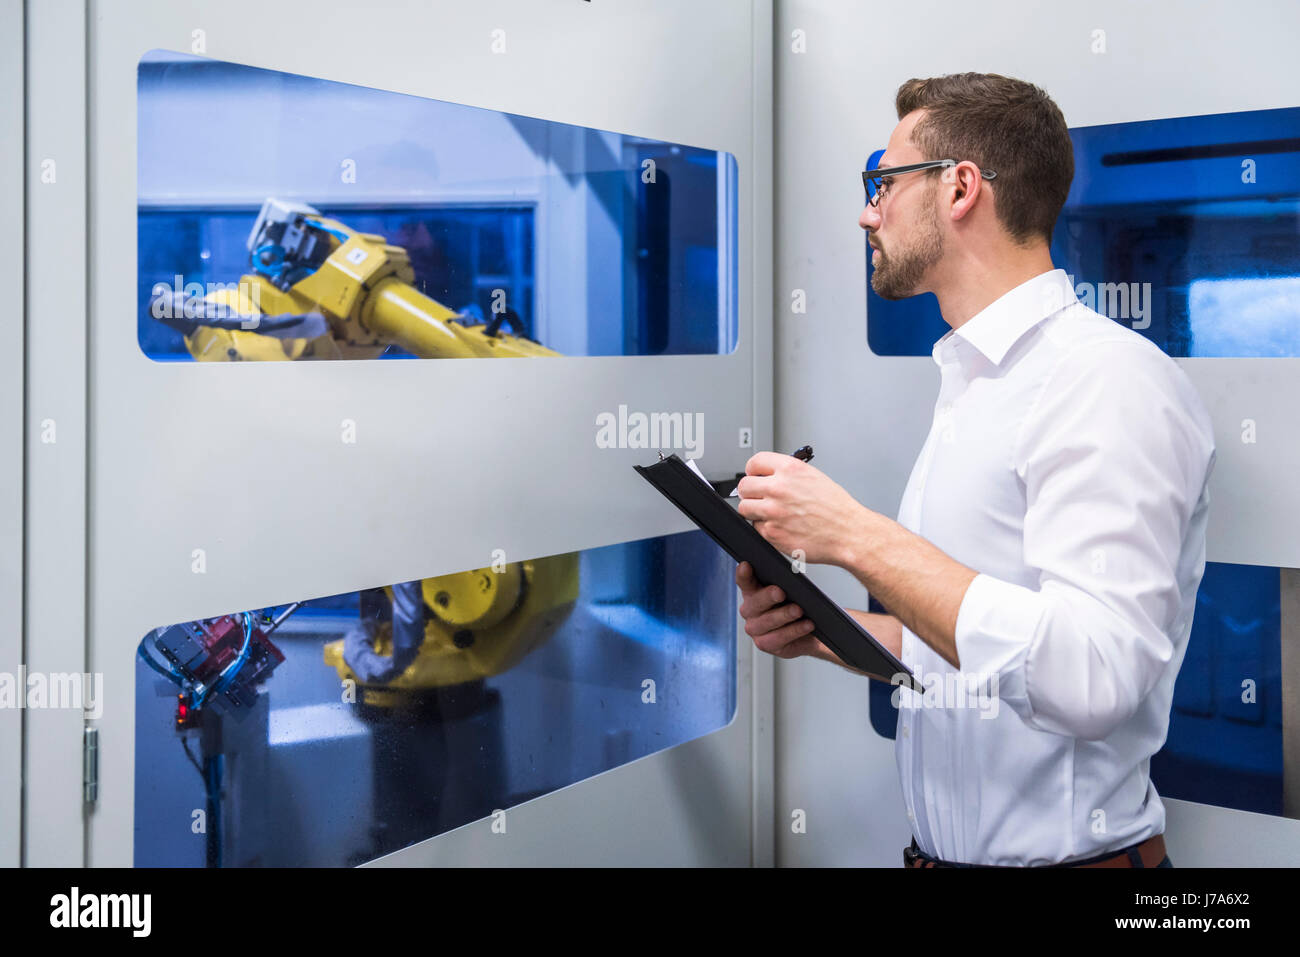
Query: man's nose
column 870, row 218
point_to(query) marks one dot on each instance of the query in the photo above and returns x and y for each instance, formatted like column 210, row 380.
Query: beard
column 899, row 275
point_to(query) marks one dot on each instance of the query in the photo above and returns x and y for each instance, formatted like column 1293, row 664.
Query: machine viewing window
column 1224, row 745
column 332, row 731
column 1185, row 230
column 341, row 222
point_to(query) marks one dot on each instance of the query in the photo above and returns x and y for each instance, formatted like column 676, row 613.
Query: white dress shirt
column 1067, row 464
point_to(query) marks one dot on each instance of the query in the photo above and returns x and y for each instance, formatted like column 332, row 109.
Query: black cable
column 190, row 754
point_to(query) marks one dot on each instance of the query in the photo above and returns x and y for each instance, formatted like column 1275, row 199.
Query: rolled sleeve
column 996, row 625
column 1114, row 462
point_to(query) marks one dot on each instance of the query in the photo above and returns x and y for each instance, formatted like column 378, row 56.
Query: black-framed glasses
column 874, row 179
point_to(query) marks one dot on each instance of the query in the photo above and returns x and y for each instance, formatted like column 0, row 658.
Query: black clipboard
column 738, row 538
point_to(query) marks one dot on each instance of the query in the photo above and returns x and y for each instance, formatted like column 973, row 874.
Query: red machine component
column 207, row 655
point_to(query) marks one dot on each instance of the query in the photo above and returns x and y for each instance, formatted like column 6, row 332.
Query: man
column 1052, row 535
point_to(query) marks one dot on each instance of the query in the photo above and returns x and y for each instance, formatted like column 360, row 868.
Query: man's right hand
column 778, row 627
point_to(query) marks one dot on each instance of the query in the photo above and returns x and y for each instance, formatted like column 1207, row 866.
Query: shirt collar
column 995, row 328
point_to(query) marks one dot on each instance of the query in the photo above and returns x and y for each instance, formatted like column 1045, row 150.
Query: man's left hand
column 799, row 509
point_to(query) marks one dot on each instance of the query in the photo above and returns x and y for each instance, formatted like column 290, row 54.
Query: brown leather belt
column 1147, row 854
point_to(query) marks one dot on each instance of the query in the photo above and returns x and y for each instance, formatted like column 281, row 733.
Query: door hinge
column 90, row 765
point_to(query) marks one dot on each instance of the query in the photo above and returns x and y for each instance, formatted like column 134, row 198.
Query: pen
column 804, row 453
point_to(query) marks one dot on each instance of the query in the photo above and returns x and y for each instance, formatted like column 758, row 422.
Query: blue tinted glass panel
column 281, row 732
column 330, row 221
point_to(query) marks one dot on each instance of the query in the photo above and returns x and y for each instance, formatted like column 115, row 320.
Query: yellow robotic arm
column 306, row 265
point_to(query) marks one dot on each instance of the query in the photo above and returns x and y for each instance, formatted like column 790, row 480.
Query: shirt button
column 905, row 732
column 911, row 817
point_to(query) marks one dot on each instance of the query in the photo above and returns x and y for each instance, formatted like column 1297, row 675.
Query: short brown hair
column 1002, row 124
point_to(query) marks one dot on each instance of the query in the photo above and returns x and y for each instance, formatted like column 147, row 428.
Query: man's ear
column 963, row 200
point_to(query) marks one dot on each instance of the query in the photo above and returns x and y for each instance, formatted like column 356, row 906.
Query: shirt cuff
column 996, row 626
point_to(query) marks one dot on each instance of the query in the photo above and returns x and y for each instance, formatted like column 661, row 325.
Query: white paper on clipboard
column 690, row 464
